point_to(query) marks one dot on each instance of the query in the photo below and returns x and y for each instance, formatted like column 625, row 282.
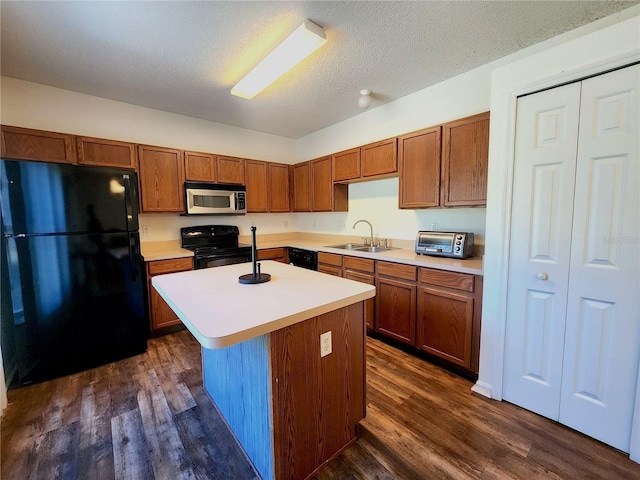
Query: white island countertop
column 219, row 311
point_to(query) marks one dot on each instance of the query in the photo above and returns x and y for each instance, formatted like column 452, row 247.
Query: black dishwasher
column 300, row 257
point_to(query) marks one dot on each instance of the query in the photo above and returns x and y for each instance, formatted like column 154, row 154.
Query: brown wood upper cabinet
column 278, row 187
column 199, row 167
column 105, row 153
column 256, row 182
column 230, row 169
column 419, row 167
column 325, row 195
column 465, row 160
column 27, row 144
column 445, row 166
column 346, row 165
column 376, row 160
column 161, row 172
column 301, row 187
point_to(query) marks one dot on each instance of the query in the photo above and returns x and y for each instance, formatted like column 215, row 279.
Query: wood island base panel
column 283, row 361
column 290, row 409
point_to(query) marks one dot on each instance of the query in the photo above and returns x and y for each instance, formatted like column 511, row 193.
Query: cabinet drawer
column 442, row 278
column 336, row 271
column 361, row 264
column 330, row 259
column 398, row 270
column 169, row 266
column 271, row 253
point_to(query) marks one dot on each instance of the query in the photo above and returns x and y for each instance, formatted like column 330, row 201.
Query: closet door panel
column 545, row 158
column 602, row 348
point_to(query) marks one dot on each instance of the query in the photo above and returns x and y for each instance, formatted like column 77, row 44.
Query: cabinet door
column 200, row 167
column 161, row 179
column 445, row 324
column 346, row 165
column 380, row 158
column 302, row 187
column 321, row 185
column 105, row 153
column 278, row 187
column 230, row 169
column 279, row 254
column 396, row 309
column 465, row 160
column 256, row 182
column 161, row 313
column 26, row 144
column 419, row 169
column 369, row 303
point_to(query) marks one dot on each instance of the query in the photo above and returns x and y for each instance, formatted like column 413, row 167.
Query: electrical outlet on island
column 325, row 344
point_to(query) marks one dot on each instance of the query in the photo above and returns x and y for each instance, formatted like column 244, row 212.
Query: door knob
column 541, row 276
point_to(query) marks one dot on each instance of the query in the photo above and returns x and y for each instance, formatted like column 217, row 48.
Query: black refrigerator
column 72, row 283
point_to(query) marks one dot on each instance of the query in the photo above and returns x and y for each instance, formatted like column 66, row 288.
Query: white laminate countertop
column 163, row 250
column 171, row 249
column 219, row 311
column 471, row 265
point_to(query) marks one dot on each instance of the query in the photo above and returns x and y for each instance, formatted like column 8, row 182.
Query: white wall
column 32, row 105
column 597, row 51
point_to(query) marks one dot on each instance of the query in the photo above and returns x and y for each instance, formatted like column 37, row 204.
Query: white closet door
column 602, row 344
column 544, row 179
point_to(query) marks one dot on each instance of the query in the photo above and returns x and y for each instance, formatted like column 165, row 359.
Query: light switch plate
column 325, row 344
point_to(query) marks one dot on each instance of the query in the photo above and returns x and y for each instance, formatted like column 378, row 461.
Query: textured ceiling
column 184, row 57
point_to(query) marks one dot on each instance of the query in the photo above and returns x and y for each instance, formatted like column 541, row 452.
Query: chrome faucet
column 370, row 226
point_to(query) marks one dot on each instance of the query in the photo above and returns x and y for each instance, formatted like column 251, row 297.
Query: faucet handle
column 365, row 240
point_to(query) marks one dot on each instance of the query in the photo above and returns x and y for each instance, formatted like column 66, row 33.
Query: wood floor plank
column 123, row 419
column 96, row 448
column 130, row 448
column 168, row 457
column 57, row 455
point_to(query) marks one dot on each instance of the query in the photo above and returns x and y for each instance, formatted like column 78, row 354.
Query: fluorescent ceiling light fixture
column 302, row 42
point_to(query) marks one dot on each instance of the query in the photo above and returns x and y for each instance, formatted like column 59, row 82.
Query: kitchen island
column 291, row 409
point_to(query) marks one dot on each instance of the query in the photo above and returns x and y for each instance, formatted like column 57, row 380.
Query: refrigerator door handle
column 131, row 199
column 133, row 256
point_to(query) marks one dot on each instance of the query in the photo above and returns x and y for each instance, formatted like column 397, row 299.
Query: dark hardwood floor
column 148, row 417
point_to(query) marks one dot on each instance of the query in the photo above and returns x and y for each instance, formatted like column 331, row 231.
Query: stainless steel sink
column 349, row 246
column 361, row 248
column 373, row 249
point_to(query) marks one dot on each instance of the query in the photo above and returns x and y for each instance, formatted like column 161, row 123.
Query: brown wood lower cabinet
column 279, row 254
column 161, row 314
column 396, row 301
column 362, row 270
column 448, row 319
column 436, row 311
column 330, row 263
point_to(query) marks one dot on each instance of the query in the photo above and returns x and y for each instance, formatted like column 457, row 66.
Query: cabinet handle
column 541, row 276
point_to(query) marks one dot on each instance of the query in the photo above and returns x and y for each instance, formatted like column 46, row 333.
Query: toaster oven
column 445, row 244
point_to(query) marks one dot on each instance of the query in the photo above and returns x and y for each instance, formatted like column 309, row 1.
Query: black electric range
column 214, row 245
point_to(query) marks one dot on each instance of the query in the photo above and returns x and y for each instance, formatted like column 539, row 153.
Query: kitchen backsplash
column 375, row 201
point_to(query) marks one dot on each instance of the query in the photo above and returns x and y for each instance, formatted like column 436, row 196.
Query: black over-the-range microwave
column 205, row 198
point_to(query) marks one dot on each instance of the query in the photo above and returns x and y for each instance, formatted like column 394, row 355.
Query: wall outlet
column 325, row 344
column 286, row 224
column 145, row 229
column 434, row 227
